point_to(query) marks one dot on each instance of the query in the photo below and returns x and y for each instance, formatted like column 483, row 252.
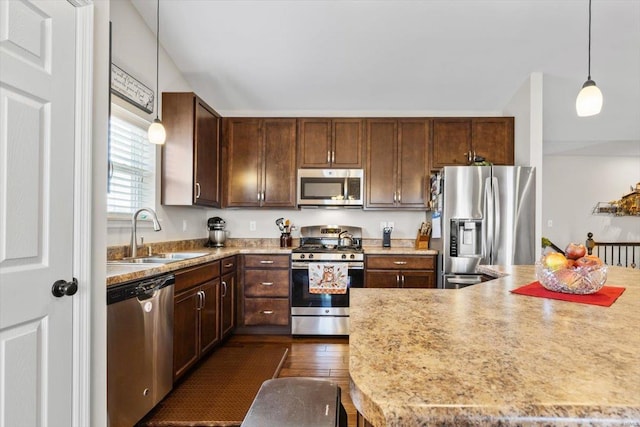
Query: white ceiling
column 420, row 57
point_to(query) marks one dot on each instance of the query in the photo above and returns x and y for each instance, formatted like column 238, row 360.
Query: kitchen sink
column 177, row 256
column 118, row 268
column 146, row 260
column 158, row 258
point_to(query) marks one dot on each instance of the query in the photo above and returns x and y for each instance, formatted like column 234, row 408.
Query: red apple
column 569, row 277
column 575, row 251
column 588, row 261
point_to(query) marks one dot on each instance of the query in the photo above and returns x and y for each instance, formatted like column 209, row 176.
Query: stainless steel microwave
column 330, row 187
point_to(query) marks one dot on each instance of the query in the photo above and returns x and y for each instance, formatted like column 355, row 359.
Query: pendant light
column 156, row 132
column 589, row 101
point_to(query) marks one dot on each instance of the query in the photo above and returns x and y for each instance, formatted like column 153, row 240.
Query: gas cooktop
column 325, row 243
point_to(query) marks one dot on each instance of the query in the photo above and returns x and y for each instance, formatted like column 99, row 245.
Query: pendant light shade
column 589, row 100
column 156, row 133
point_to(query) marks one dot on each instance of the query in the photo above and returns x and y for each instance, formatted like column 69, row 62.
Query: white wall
column 526, row 106
column 406, row 224
column 134, row 50
column 574, row 184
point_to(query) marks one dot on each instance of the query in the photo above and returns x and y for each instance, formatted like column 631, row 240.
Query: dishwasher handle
column 141, row 289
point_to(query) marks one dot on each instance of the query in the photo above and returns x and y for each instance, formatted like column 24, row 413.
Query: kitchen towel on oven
column 328, row 278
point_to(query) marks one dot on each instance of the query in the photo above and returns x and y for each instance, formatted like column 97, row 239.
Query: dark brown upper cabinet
column 259, row 158
column 397, row 163
column 457, row 141
column 191, row 154
column 330, row 143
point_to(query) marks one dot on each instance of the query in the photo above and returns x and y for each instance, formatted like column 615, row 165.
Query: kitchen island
column 485, row 356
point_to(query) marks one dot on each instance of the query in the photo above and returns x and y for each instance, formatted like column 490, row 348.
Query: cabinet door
column 209, row 315
column 418, row 279
column 451, row 142
column 177, row 172
column 347, row 137
column 314, row 139
column 492, row 138
column 403, row 262
column 279, row 163
column 242, row 162
column 267, row 261
column 382, row 279
column 206, row 189
column 266, row 311
column 228, row 304
column 413, row 162
column 186, row 346
column 381, row 155
column 266, row 283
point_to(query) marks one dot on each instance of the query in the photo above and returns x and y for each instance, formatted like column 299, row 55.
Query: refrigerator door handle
column 487, row 244
column 496, row 212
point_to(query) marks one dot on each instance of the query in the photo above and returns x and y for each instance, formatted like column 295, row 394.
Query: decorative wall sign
column 131, row 90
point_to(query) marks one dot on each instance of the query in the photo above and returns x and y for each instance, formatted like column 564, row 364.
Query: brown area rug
column 220, row 390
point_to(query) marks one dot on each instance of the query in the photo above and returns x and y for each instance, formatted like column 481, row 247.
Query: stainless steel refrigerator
column 488, row 217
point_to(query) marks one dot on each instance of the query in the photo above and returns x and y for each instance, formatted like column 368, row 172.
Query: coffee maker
column 217, row 233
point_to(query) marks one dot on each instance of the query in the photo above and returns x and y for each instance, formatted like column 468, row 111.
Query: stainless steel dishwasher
column 139, row 348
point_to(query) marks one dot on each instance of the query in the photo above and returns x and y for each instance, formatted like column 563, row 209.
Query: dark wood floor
column 326, row 358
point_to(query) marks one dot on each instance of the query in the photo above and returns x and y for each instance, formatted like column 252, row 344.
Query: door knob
column 61, row 288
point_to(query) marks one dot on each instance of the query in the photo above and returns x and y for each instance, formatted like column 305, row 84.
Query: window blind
column 131, row 164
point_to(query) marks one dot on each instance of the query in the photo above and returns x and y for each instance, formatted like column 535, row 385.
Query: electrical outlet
column 390, row 224
column 383, row 225
column 252, row 226
column 549, row 223
column 184, row 225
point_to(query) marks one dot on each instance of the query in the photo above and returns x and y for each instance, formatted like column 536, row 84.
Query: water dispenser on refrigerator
column 465, row 245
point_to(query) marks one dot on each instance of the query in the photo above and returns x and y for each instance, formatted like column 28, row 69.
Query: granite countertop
column 117, row 274
column 484, row 356
column 378, row 250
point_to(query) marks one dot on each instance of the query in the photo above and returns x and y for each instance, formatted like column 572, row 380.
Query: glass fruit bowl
column 573, row 280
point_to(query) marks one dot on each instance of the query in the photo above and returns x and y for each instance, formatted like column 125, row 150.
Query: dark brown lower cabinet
column 228, row 294
column 400, row 271
column 266, row 283
column 196, row 321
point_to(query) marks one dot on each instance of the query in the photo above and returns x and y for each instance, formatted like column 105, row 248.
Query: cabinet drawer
column 228, row 264
column 400, row 262
column 266, row 261
column 266, row 283
column 191, row 277
column 266, row 311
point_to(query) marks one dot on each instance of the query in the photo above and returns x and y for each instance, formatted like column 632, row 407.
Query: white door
column 37, row 67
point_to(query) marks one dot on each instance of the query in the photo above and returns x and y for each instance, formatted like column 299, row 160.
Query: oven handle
column 351, row 265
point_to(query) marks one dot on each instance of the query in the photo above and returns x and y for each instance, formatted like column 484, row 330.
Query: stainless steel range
column 326, row 265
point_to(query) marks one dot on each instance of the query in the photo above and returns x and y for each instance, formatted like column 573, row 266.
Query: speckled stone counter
column 378, row 250
column 119, row 273
column 484, row 356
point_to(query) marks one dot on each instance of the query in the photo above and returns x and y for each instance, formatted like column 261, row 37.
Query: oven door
column 305, row 303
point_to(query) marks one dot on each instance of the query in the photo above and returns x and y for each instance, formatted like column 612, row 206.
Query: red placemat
column 604, row 297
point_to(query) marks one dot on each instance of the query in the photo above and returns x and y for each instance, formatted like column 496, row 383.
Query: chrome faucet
column 133, row 251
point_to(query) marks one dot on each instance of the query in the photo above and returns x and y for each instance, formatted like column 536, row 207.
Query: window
column 132, row 162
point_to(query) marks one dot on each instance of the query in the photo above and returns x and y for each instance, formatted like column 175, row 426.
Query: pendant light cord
column 158, row 57
column 589, row 64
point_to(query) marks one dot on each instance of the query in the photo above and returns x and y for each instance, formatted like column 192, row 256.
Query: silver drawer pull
column 399, row 262
column 266, row 262
column 228, row 265
column 267, row 312
column 266, row 283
